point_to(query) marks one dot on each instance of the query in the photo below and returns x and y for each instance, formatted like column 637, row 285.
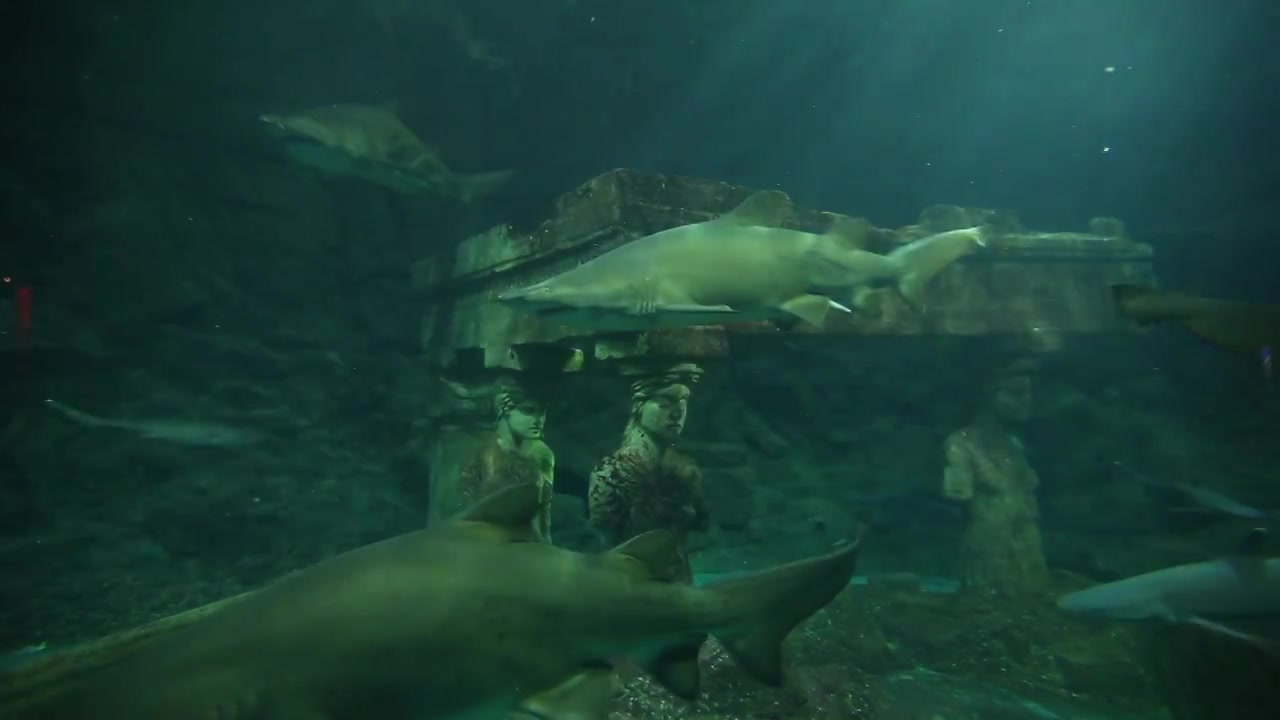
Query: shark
column 1204, row 594
column 473, row 619
column 1206, row 498
column 372, row 143
column 175, row 431
column 739, row 267
column 1248, row 329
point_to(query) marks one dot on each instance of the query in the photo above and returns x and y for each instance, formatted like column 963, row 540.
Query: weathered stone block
column 1035, row 285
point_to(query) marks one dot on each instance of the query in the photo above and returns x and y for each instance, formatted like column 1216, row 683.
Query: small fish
column 175, row 431
column 1204, row 497
column 1266, row 366
column 1204, row 594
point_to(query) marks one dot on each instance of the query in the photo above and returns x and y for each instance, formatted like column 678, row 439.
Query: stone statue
column 514, row 453
column 987, row 470
column 647, row 484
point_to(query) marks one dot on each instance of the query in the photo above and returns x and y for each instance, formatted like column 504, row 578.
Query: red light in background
column 24, row 315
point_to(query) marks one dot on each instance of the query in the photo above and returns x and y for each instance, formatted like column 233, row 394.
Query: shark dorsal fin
column 850, row 232
column 657, row 554
column 767, row 208
column 511, row 510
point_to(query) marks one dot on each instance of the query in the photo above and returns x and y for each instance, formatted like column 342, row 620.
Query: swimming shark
column 1207, row 498
column 371, row 142
column 175, row 431
column 1205, row 594
column 738, row 267
column 473, row 619
column 1245, row 328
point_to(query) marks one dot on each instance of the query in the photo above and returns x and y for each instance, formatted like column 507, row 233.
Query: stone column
column 513, row 452
column 647, row 484
column 987, row 470
column 461, row 420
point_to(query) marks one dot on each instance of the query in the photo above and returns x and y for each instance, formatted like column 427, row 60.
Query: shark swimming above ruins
column 739, row 267
column 372, row 143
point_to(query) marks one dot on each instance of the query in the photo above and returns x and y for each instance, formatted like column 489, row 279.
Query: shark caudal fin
column 657, row 555
column 919, row 262
column 475, row 185
column 771, row 603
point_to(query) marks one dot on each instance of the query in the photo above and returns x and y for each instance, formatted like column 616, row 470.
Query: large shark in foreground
column 471, row 620
column 1206, row 594
column 738, row 267
column 371, row 142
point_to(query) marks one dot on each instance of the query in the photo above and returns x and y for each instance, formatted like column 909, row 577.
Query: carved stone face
column 525, row 421
column 1011, row 399
column 664, row 414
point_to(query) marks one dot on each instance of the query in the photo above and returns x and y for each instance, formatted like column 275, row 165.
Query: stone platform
column 1027, row 291
column 1023, row 284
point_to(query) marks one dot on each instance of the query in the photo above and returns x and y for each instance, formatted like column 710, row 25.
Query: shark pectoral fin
column 510, row 511
column 767, row 208
column 585, row 696
column 676, row 669
column 1262, row 643
column 809, row 308
column 689, row 308
column 654, row 555
column 850, row 232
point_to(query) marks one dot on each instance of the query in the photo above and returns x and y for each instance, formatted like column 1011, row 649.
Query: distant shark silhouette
column 1244, row 328
column 473, row 619
column 371, row 142
column 175, row 431
column 738, row 267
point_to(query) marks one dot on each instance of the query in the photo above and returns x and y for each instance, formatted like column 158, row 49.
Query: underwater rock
column 1107, row 227
column 731, row 493
column 894, row 653
column 1207, row 676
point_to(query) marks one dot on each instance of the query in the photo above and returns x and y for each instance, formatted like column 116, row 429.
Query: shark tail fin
column 475, row 185
column 658, row 555
column 771, row 603
column 922, row 260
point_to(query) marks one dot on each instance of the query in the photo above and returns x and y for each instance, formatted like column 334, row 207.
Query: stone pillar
column 647, row 484
column 987, row 470
column 461, row 420
column 512, row 452
column 488, row 436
